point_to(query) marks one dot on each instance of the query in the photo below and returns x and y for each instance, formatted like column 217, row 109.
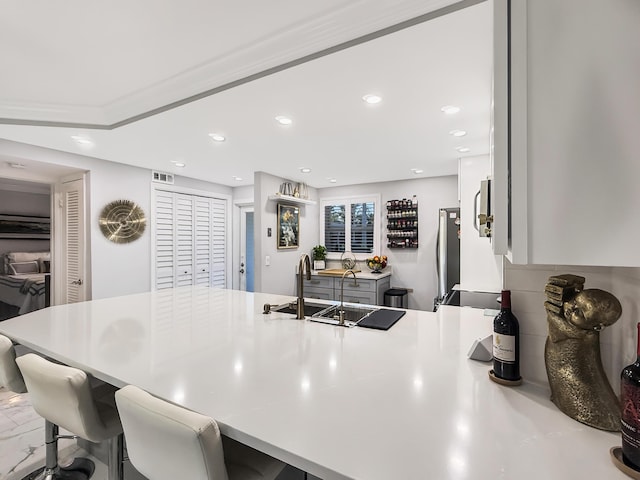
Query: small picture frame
column 288, row 226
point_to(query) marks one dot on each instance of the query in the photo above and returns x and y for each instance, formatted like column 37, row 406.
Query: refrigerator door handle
column 441, row 254
column 475, row 211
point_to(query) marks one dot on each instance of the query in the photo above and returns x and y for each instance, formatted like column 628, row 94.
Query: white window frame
column 347, row 201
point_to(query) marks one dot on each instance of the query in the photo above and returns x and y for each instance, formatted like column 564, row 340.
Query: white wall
column 411, row 268
column 116, row 269
column 617, row 343
column 480, row 269
column 279, row 277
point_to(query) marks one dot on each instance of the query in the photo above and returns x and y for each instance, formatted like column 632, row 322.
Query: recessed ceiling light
column 237, row 179
column 457, row 133
column 305, row 170
column 217, row 137
column 20, row 166
column 282, row 120
column 333, row 180
column 372, row 99
column 450, row 109
column 417, row 171
column 463, row 149
column 80, row 140
column 178, row 163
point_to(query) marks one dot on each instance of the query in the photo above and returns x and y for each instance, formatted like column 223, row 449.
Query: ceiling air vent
column 162, row 177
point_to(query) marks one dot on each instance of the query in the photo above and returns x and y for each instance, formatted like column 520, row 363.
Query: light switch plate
column 267, row 260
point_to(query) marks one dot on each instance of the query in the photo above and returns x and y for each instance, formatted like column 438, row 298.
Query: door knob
column 242, row 270
column 77, row 282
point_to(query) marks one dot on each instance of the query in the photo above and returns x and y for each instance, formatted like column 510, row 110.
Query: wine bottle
column 630, row 402
column 506, row 341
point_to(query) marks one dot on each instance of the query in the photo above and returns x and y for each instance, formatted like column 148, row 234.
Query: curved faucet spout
column 341, row 312
column 303, row 266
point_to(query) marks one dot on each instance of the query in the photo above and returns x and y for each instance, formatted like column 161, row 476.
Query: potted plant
column 319, row 253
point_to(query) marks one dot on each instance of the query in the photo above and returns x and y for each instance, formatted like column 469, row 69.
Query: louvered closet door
column 75, row 288
column 164, row 240
column 203, row 240
column 190, row 240
column 219, row 243
column 184, row 232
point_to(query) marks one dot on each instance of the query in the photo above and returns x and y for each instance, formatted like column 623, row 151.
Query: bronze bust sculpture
column 579, row 385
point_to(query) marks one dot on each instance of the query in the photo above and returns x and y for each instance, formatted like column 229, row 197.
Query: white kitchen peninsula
column 337, row 402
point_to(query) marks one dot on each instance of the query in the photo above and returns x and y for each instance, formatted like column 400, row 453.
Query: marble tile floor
column 22, row 440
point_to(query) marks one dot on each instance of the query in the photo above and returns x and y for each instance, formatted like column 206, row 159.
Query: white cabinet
column 565, row 162
column 362, row 290
column 190, row 240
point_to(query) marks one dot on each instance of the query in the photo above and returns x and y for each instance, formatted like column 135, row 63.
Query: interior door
column 246, row 249
column 202, row 240
column 73, row 281
column 184, row 240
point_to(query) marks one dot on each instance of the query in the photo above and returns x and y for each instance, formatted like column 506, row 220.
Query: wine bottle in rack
column 506, row 341
column 630, row 404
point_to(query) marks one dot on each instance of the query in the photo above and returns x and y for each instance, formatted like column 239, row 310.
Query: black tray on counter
column 382, row 319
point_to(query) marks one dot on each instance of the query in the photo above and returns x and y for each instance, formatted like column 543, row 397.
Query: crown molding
column 41, row 113
column 352, row 24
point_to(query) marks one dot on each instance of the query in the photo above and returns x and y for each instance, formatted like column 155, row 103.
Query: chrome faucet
column 341, row 312
column 305, row 264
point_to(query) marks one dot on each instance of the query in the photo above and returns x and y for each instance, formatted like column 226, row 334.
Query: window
column 351, row 225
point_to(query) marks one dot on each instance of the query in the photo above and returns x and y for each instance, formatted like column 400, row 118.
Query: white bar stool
column 11, row 379
column 64, row 397
column 166, row 442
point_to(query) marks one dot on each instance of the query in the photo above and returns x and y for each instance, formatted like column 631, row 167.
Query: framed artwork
column 288, row 226
column 24, row 226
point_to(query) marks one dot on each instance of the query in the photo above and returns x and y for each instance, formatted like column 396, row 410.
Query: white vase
column 318, row 265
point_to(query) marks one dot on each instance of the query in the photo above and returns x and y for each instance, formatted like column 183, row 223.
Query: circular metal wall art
column 122, row 221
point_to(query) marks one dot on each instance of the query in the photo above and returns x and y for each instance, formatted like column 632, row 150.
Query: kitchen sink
column 352, row 315
column 309, row 308
column 329, row 314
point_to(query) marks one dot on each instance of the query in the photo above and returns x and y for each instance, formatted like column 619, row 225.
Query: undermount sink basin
column 352, row 315
column 330, row 314
column 309, row 308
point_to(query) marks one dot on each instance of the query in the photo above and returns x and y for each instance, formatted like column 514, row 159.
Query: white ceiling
column 103, row 63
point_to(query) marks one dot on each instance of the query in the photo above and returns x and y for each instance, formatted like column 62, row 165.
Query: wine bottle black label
column 630, row 423
column 504, row 347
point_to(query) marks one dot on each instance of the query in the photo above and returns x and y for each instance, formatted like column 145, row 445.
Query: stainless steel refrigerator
column 447, row 252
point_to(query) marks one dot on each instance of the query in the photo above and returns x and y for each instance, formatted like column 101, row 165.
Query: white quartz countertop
column 338, row 402
column 365, row 273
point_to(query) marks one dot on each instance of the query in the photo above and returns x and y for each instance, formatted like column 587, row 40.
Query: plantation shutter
column 362, row 220
column 334, row 228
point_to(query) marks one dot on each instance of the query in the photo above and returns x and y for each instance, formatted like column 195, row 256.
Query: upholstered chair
column 64, row 397
column 165, row 442
column 10, row 376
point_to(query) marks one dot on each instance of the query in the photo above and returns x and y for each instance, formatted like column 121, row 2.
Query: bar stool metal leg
column 79, row 469
column 116, row 458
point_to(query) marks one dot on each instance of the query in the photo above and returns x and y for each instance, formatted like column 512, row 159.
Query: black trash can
column 396, row 297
